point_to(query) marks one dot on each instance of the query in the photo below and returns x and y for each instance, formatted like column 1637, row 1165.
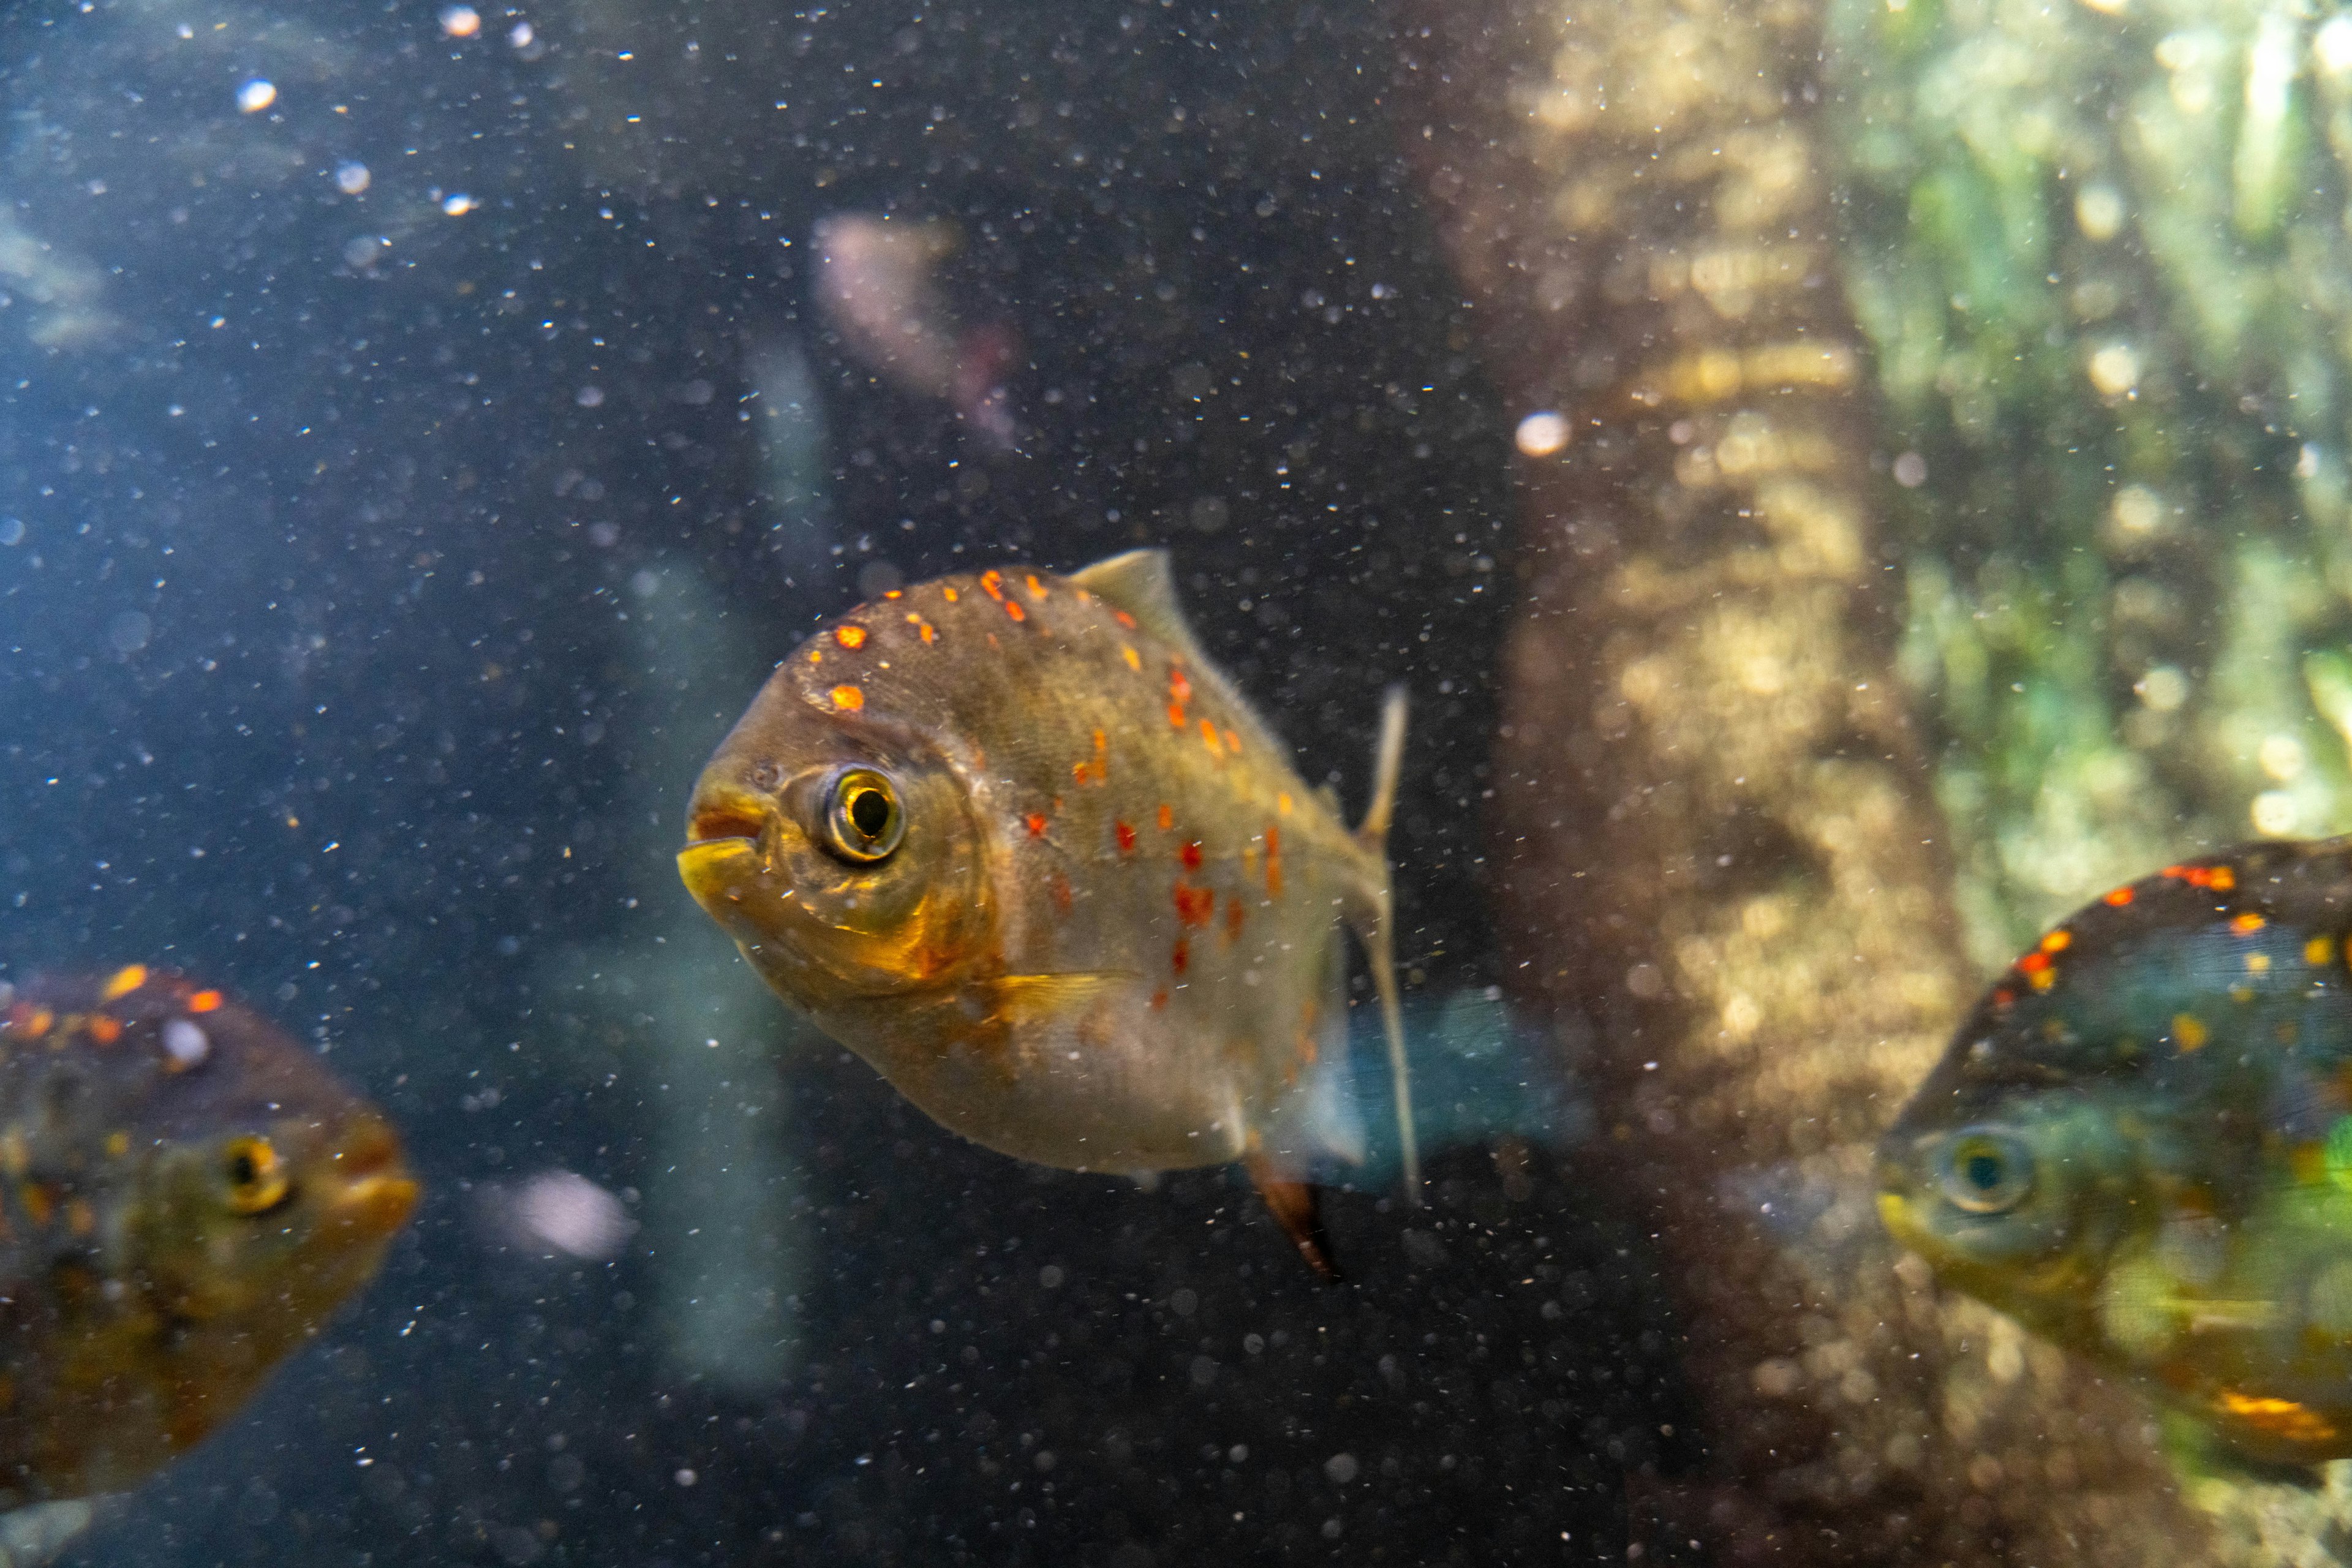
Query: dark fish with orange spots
column 185, row 1196
column 2140, row 1145
column 1012, row 838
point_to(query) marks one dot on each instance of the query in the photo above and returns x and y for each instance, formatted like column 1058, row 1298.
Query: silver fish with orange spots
column 185, row 1196
column 1012, row 838
column 2140, row 1145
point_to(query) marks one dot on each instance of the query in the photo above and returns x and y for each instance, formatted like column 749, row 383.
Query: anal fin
column 1297, row 1207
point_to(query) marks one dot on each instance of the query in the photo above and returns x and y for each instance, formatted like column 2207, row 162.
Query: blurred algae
column 2099, row 253
column 1902, row 528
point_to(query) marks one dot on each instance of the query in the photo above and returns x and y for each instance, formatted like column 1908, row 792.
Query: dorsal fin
column 1141, row 582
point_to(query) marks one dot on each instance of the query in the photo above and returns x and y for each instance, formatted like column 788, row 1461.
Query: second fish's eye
column 256, row 1176
column 864, row 821
column 1987, row 1173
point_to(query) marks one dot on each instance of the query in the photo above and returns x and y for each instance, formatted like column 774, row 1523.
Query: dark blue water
column 372, row 574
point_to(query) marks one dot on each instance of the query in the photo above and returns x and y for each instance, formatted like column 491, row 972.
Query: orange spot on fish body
column 104, row 1029
column 2221, row 879
column 1133, row 660
column 923, row 628
column 893, row 593
column 952, row 595
column 1160, row 1000
column 2319, row 949
column 1123, row 618
column 1099, row 770
column 1233, row 742
column 2057, row 941
column 2120, row 897
column 2033, row 962
column 849, row 634
column 1209, row 739
column 123, row 982
column 204, row 1002
column 992, row 584
column 848, row 699
column 1180, row 959
column 1126, row 838
column 1012, row 607
column 2247, row 923
column 1035, row 822
column 1274, row 860
column 1195, row 906
column 1176, row 715
column 1179, row 690
column 1191, row 854
column 1036, row 589
column 1167, row 818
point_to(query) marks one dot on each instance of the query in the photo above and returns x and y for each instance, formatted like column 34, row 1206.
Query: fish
column 1014, row 839
column 2139, row 1145
column 878, row 287
column 187, row 1195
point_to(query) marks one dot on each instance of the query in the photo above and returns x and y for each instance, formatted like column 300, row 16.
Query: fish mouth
column 375, row 1194
column 725, row 819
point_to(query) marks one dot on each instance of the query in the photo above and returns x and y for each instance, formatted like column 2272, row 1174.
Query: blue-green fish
column 2140, row 1144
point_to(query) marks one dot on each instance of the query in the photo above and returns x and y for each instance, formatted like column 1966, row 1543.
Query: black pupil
column 240, row 1169
column 869, row 812
column 1983, row 1171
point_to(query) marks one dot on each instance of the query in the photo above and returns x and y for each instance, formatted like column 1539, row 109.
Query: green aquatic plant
column 2098, row 252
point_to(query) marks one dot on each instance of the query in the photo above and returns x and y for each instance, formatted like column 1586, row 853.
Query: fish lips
column 374, row 1194
column 726, row 866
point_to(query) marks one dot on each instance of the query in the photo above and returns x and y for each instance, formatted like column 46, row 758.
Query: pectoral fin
column 1297, row 1207
column 1035, row 998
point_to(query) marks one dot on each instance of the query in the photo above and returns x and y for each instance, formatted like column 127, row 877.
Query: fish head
column 2019, row 1196
column 255, row 1227
column 841, row 852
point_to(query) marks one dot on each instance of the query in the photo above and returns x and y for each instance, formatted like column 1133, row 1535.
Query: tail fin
column 1374, row 926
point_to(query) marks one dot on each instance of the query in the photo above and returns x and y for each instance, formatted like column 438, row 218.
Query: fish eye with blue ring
column 1985, row 1172
column 864, row 822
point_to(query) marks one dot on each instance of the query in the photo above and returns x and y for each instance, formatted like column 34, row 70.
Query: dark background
column 384, row 554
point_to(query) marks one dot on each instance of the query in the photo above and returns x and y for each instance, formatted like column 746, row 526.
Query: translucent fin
column 1296, row 1206
column 1142, row 583
column 1027, row 998
column 1374, row 924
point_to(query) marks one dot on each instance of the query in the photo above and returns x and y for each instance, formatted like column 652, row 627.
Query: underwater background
column 1843, row 483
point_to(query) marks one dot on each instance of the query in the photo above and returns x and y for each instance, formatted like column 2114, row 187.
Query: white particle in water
column 255, row 95
column 184, row 1043
column 1540, row 434
column 351, row 177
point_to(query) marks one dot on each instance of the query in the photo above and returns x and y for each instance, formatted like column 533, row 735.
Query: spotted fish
column 185, row 1196
column 2140, row 1144
column 1012, row 838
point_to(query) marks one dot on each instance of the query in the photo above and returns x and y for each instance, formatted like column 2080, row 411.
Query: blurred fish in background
column 878, row 287
column 185, row 1196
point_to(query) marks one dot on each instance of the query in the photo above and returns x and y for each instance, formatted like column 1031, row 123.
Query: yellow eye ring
column 255, row 1176
column 863, row 821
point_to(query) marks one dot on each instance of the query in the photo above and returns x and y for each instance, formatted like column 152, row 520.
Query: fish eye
column 864, row 822
column 1987, row 1173
column 256, row 1176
